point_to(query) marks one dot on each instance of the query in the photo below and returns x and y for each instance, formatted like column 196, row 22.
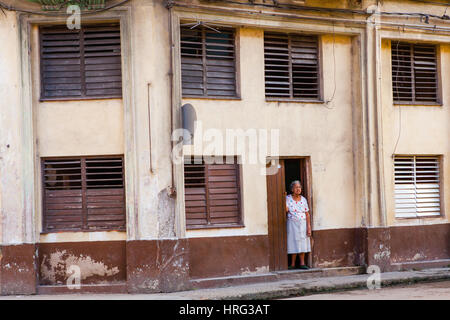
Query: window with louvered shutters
column 83, row 194
column 291, row 66
column 414, row 73
column 208, row 62
column 212, row 195
column 417, row 186
column 77, row 64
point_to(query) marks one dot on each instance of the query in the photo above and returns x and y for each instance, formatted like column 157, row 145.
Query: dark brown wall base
column 168, row 265
column 223, row 256
column 157, row 266
column 338, row 247
column 382, row 246
column 420, row 243
column 18, row 269
column 378, row 250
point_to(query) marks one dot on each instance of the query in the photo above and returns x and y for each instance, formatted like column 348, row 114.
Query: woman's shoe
column 304, row 267
column 291, row 268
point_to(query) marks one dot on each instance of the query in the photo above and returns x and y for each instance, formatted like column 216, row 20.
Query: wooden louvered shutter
column 414, row 73
column 291, row 66
column 77, row 64
column 417, row 186
column 63, row 195
column 212, row 195
column 83, row 194
column 105, row 193
column 208, row 62
column 195, row 195
column 223, row 194
column 102, row 61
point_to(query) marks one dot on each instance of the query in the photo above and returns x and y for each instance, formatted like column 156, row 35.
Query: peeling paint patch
column 258, row 270
column 149, row 284
column 166, row 215
column 385, row 254
column 418, row 256
column 54, row 267
column 331, row 263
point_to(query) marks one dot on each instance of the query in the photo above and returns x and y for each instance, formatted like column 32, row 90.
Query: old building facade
column 355, row 95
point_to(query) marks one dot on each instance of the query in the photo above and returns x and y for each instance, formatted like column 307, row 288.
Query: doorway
column 290, row 169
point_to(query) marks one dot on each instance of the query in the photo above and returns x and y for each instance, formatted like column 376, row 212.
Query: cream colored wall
column 425, row 130
column 80, row 128
column 11, row 180
column 322, row 131
column 91, row 127
column 96, row 127
column 77, row 127
column 405, row 6
column 151, row 65
column 73, row 128
column 319, row 130
column 82, row 236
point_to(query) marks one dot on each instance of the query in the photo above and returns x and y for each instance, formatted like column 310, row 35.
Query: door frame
column 277, row 235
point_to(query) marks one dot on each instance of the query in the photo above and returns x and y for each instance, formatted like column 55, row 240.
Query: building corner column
column 377, row 237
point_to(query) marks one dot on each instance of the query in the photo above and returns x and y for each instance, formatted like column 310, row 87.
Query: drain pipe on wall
column 175, row 119
column 373, row 120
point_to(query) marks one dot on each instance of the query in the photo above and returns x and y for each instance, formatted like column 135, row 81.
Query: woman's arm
column 308, row 224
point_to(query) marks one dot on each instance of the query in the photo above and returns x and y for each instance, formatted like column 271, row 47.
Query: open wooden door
column 290, row 169
column 276, row 204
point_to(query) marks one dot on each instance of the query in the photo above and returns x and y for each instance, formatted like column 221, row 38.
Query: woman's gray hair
column 293, row 183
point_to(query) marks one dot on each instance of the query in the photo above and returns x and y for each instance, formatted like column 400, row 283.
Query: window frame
column 237, row 92
column 209, row 225
column 438, row 83
column 43, row 98
column 319, row 98
column 439, row 161
column 84, row 227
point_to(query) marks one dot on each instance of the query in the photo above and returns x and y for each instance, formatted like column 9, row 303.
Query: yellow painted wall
column 419, row 129
column 80, row 128
column 11, row 178
column 319, row 130
column 322, row 131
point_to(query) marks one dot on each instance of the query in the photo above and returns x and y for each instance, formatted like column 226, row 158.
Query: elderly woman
column 298, row 225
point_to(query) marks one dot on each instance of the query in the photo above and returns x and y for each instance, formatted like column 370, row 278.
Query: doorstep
column 419, row 265
column 217, row 282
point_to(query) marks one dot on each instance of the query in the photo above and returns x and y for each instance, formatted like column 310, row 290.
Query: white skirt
column 297, row 240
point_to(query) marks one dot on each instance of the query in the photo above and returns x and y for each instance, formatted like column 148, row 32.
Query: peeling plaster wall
column 11, row 175
column 158, row 265
column 102, row 262
column 58, row 263
column 150, row 37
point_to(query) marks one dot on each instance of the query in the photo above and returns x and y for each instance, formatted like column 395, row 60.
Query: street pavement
column 422, row 291
column 281, row 289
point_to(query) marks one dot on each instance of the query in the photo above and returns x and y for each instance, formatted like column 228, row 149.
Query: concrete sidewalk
column 267, row 290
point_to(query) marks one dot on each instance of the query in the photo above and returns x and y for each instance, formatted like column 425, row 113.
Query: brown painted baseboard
column 176, row 264
column 18, row 269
